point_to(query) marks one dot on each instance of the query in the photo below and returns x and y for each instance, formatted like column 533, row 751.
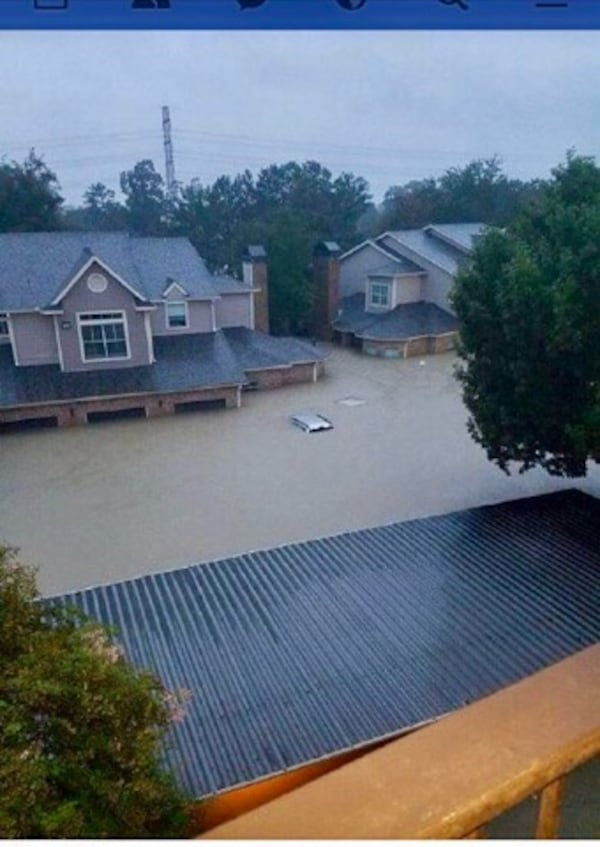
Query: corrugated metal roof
column 296, row 653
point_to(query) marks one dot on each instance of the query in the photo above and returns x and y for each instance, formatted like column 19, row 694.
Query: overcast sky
column 389, row 106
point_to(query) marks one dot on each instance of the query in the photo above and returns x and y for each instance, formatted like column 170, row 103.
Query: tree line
column 287, row 207
column 528, row 303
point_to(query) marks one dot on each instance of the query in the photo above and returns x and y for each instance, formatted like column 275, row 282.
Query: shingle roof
column 408, row 320
column 185, row 362
column 300, row 652
column 461, row 235
column 428, row 245
column 254, row 350
column 34, row 267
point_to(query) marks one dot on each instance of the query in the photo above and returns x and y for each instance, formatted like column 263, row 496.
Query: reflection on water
column 113, row 500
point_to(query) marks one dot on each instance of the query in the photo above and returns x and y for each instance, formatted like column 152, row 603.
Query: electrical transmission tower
column 169, row 161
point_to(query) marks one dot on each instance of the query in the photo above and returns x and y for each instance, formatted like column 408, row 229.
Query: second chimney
column 254, row 264
column 326, row 274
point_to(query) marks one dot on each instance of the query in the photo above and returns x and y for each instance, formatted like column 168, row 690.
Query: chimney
column 254, row 264
column 326, row 273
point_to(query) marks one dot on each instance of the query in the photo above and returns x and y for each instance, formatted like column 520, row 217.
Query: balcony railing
column 453, row 777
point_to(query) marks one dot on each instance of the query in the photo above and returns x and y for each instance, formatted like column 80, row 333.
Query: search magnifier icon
column 462, row 3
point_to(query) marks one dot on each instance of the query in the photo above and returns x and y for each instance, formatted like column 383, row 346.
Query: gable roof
column 461, row 236
column 389, row 260
column 444, row 245
column 36, row 267
column 298, row 653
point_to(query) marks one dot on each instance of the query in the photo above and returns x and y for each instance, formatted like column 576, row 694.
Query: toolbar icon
column 50, row 5
column 151, row 4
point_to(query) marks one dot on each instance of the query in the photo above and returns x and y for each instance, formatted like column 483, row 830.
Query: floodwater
column 115, row 500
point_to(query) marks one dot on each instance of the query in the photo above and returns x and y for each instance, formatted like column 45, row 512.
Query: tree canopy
column 29, row 196
column 478, row 192
column 529, row 308
column 80, row 729
column 145, row 199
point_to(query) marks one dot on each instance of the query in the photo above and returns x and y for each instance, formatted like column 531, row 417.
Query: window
column 103, row 336
column 177, row 314
column 4, row 326
column 380, row 294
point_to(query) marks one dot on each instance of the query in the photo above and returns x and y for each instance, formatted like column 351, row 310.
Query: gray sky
column 389, row 106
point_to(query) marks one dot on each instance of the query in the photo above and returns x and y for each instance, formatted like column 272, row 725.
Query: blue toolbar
column 299, row 14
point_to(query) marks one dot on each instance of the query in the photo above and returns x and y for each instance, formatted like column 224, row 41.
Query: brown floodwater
column 114, row 500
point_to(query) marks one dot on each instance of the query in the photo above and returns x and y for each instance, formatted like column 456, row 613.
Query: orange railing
column 453, row 777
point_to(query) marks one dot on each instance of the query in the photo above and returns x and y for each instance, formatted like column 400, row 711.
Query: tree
column 529, row 309
column 288, row 208
column 29, row 198
column 478, row 192
column 101, row 209
column 144, row 199
column 80, row 728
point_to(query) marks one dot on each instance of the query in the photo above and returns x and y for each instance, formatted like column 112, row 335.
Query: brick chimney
column 254, row 263
column 326, row 273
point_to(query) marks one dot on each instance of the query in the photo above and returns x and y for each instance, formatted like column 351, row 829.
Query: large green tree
column 145, row 199
column 479, row 191
column 29, row 196
column 288, row 208
column 529, row 308
column 80, row 729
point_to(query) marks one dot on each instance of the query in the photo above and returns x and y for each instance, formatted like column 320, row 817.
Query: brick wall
column 277, row 377
column 75, row 413
column 326, row 275
column 413, row 347
column 260, row 279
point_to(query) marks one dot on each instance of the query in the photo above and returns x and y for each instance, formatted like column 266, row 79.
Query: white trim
column 94, row 259
column 252, row 314
column 186, row 312
column 49, row 312
column 61, row 360
column 149, row 341
column 213, row 314
column 173, row 285
column 384, row 285
column 92, row 323
column 13, row 343
column 368, row 243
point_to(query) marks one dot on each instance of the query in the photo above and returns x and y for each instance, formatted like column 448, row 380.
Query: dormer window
column 380, row 294
column 4, row 326
column 177, row 314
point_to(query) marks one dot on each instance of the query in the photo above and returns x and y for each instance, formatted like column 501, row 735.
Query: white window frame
column 375, row 299
column 4, row 323
column 102, row 319
column 186, row 313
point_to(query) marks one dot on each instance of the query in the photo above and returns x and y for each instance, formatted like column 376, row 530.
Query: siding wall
column 234, row 310
column 354, row 270
column 199, row 317
column 116, row 298
column 34, row 339
column 408, row 289
column 436, row 285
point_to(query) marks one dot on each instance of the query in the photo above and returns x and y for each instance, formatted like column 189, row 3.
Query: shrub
column 81, row 729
